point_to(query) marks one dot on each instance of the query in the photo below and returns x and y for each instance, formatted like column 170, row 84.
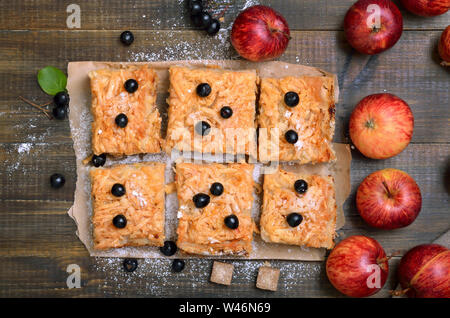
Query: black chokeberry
column 202, row 128
column 130, row 264
column 216, row 189
column 301, row 186
column 178, row 265
column 131, row 85
column 201, row 200
column 121, row 120
column 195, row 7
column 203, row 90
column 126, row 37
column 118, row 190
column 213, row 27
column 99, row 160
column 205, row 19
column 57, row 180
column 291, row 99
column 196, row 20
column 294, row 219
column 120, row 221
column 169, row 248
column 232, row 221
column 291, row 136
column 226, row 112
column 59, row 112
column 61, row 99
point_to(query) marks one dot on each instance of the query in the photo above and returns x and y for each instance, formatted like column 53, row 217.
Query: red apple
column 358, row 266
column 381, row 126
column 424, row 272
column 388, row 199
column 260, row 33
column 444, row 46
column 427, row 8
column 373, row 26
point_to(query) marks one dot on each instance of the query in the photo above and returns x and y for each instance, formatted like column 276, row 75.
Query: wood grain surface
column 38, row 241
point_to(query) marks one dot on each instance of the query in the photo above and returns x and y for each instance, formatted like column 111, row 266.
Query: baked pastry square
column 298, row 209
column 207, row 211
column 141, row 133
column 212, row 110
column 298, row 113
column 128, row 203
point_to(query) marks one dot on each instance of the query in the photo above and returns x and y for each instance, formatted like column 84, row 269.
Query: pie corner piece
column 222, row 273
column 317, row 207
column 142, row 205
column 268, row 278
column 231, row 131
column 310, row 119
column 202, row 230
column 142, row 133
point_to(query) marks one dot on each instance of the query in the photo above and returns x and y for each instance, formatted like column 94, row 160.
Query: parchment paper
column 80, row 120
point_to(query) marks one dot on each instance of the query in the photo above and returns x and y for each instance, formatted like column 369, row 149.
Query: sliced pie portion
column 298, row 209
column 212, row 110
column 128, row 202
column 215, row 202
column 125, row 122
column 297, row 119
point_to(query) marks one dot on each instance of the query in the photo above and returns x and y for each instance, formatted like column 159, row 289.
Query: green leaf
column 52, row 80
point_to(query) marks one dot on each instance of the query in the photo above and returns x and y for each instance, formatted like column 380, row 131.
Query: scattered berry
column 300, row 186
column 196, row 20
column 294, row 219
column 127, row 37
column 226, row 112
column 232, row 221
column 120, row 221
column 203, row 90
column 195, row 7
column 130, row 264
column 57, row 180
column 169, row 248
column 203, row 128
column 291, row 136
column 178, row 265
column 59, row 112
column 205, row 19
column 291, row 99
column 213, row 27
column 201, row 200
column 216, row 188
column 131, row 85
column 99, row 161
column 121, row 120
column 61, row 99
column 118, row 190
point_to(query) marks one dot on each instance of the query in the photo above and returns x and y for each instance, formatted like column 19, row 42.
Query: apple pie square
column 297, row 119
column 126, row 120
column 215, row 201
column 128, row 205
column 212, row 110
column 298, row 209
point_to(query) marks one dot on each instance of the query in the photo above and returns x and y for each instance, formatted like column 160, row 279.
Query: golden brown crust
column 313, row 118
column 109, row 99
column 317, row 206
column 202, row 230
column 236, row 89
column 142, row 205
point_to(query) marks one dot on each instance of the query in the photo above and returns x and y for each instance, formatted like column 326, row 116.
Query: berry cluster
column 203, row 19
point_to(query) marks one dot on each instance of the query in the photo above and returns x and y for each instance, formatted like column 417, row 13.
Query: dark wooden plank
column 429, row 165
column 410, row 70
column 169, row 14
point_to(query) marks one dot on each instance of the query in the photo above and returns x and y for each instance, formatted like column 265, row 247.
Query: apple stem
column 399, row 292
column 387, row 189
column 282, row 32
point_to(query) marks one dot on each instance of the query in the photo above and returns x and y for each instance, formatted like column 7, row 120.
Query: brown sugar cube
column 268, row 278
column 222, row 273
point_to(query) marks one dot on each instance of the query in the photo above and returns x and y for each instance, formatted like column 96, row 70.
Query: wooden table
column 37, row 238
